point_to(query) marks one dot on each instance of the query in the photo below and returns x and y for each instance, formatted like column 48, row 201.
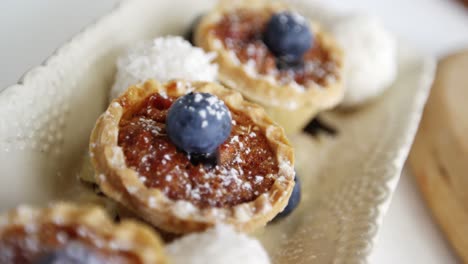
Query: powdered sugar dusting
column 258, row 178
column 184, row 209
column 243, row 156
column 152, row 202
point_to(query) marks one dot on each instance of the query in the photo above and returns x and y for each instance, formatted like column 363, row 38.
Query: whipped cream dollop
column 163, row 59
column 219, row 245
column 370, row 57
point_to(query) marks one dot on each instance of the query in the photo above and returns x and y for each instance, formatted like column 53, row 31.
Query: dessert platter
column 224, row 132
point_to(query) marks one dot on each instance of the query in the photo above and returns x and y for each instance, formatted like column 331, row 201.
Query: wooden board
column 439, row 157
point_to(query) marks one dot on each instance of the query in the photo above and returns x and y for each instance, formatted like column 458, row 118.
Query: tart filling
column 65, row 233
column 245, row 182
column 22, row 245
column 243, row 169
column 241, row 30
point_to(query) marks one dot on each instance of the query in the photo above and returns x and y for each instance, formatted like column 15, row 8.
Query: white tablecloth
column 31, row 30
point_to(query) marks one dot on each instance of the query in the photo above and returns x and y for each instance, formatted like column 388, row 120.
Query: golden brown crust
column 300, row 104
column 122, row 184
column 136, row 238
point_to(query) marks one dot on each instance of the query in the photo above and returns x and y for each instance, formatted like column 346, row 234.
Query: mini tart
column 246, row 64
column 27, row 234
column 144, row 171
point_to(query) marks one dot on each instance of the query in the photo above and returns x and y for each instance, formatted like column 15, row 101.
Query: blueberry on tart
column 274, row 57
column 65, row 233
column 185, row 156
column 293, row 202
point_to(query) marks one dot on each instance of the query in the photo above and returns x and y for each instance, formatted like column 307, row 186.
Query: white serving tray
column 45, row 122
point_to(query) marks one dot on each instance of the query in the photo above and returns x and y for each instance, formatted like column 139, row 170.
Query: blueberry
column 288, row 36
column 198, row 123
column 293, row 202
column 72, row 253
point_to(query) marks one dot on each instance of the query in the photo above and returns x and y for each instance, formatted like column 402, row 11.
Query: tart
column 291, row 95
column 137, row 164
column 65, row 233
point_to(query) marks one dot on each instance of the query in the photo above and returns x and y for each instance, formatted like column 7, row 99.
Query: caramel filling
column 20, row 245
column 241, row 32
column 244, row 169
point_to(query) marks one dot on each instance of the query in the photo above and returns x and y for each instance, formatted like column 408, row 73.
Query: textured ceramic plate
column 348, row 179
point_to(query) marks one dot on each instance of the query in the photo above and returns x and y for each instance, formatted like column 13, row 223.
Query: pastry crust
column 122, row 183
column 288, row 105
column 135, row 238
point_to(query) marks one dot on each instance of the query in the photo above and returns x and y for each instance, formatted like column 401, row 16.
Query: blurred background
column 31, row 30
